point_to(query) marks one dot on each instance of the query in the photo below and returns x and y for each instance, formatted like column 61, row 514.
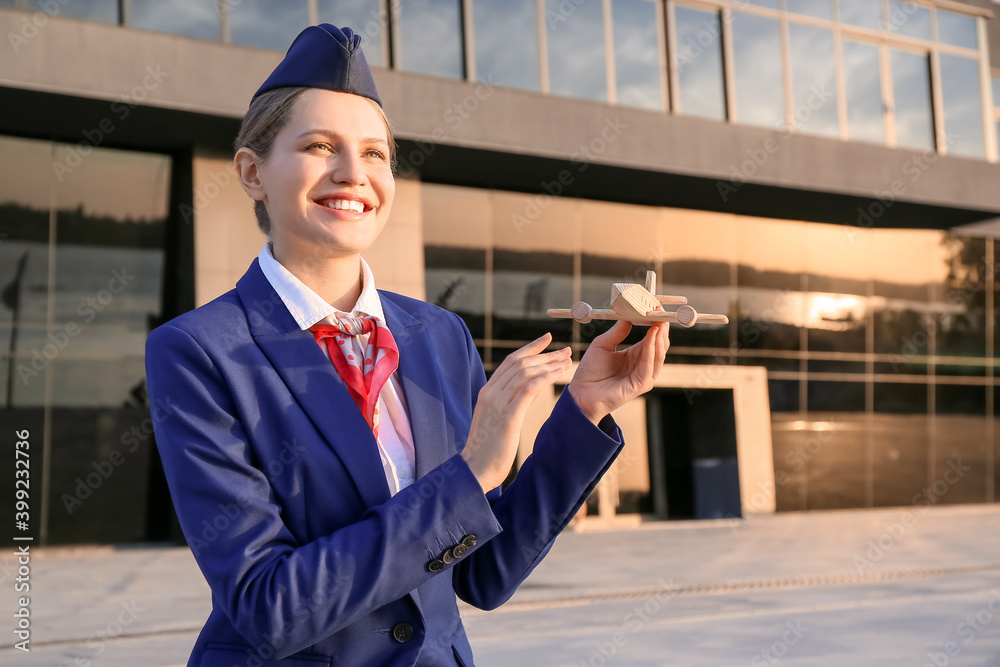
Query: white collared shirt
column 395, row 443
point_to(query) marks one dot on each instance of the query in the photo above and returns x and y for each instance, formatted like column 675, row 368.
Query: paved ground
column 887, row 587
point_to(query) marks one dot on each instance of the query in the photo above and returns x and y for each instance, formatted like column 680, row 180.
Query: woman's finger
column 527, row 374
column 530, row 390
column 613, row 336
column 534, row 347
column 525, row 364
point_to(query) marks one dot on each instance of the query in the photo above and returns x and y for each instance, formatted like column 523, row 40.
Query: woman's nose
column 348, row 168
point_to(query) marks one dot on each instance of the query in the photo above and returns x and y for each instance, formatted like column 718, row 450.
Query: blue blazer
column 280, row 492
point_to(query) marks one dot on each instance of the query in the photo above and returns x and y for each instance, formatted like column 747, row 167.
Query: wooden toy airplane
column 640, row 305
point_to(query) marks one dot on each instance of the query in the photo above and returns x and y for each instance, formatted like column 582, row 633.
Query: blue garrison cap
column 324, row 56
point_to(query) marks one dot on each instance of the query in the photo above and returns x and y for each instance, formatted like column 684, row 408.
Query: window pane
column 818, row 8
column 699, row 63
column 268, row 24
column 759, row 90
column 577, row 64
column 431, row 37
column 863, row 86
column 996, row 94
column 906, row 18
column 957, row 29
column 191, row 18
column 814, row 80
column 773, row 4
column 456, row 240
column 495, row 21
column 963, row 105
column 103, row 11
column 911, row 87
column 361, row 16
column 637, row 58
column 864, row 13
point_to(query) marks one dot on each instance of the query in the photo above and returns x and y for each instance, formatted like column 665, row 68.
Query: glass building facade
column 895, row 73
column 81, row 283
column 880, row 344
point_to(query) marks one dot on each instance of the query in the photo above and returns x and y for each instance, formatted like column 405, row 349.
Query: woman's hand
column 607, row 379
column 502, row 403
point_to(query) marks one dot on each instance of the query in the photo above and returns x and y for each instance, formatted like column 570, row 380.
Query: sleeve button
column 469, row 541
column 447, row 557
column 459, row 550
column 402, row 633
column 436, row 565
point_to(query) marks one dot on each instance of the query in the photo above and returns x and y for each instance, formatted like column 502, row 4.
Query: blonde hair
column 267, row 116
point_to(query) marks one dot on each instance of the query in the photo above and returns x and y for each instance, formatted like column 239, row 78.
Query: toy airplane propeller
column 639, row 305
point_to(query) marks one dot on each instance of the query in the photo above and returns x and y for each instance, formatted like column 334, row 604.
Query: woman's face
column 328, row 182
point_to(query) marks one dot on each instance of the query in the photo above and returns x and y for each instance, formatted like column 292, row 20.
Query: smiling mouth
column 344, row 205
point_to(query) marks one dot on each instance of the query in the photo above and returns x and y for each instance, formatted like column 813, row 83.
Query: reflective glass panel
column 760, row 96
column 772, row 4
column 838, row 268
column 575, row 36
column 699, row 63
column 818, row 8
column 431, row 37
column 456, row 228
column 25, row 180
column 864, row 13
column 957, row 29
column 909, row 19
column 496, row 62
column 961, row 299
column 268, row 24
column 900, row 441
column 615, row 253
column 103, row 11
column 771, row 306
column 996, row 94
column 963, row 110
column 637, row 60
column 863, row 87
column 911, row 86
column 191, row 18
column 960, row 435
column 361, row 16
column 814, row 80
column 533, row 267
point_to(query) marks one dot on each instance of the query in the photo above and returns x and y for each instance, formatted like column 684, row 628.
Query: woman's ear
column 247, row 163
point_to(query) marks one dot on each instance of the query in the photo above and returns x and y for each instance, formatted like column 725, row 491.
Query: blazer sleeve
column 275, row 590
column 569, row 457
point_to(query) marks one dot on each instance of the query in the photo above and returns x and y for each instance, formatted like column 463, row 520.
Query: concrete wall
column 109, row 62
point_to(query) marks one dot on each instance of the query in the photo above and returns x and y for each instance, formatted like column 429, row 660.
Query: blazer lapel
column 314, row 383
column 421, row 385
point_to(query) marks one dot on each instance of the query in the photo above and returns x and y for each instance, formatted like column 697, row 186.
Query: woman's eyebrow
column 336, row 135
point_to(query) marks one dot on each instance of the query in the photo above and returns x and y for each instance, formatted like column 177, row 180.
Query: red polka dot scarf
column 364, row 370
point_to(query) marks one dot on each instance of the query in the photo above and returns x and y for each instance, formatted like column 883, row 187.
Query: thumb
column 613, row 336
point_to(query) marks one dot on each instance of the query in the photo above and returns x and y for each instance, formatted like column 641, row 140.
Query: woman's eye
column 322, row 145
column 378, row 154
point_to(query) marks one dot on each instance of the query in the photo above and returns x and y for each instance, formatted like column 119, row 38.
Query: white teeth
column 346, row 204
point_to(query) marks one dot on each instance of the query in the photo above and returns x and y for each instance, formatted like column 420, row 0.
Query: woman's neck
column 337, row 280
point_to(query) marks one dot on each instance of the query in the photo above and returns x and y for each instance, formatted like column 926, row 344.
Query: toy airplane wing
column 638, row 305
